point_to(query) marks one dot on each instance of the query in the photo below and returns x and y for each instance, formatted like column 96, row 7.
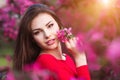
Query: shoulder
column 46, row 61
column 45, row 58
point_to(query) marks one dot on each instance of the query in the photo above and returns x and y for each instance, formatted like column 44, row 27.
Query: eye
column 35, row 33
column 50, row 25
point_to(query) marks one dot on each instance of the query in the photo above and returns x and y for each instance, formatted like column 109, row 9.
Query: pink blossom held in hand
column 64, row 34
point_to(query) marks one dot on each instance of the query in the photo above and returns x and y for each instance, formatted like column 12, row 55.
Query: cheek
column 38, row 39
column 56, row 28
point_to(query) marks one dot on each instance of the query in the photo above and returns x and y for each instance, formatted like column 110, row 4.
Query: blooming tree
column 96, row 24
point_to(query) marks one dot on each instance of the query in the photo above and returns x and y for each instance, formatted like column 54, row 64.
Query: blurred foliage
column 3, row 61
column 6, row 48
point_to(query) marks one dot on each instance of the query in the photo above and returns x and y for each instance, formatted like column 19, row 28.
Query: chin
column 52, row 46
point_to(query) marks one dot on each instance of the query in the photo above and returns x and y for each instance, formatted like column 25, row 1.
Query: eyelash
column 37, row 32
column 49, row 26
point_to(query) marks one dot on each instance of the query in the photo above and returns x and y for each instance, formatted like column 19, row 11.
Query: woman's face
column 44, row 29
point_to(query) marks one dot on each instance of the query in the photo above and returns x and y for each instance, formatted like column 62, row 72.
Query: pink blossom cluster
column 30, row 72
column 97, row 38
column 10, row 16
column 64, row 34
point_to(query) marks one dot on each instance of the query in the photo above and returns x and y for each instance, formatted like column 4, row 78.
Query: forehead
column 41, row 20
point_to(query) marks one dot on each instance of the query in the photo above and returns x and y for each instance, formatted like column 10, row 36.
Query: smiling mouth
column 50, row 42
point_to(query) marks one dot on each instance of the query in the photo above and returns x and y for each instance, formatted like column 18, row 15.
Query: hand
column 80, row 57
column 71, row 46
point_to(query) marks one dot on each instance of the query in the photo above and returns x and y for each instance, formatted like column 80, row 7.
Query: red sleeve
column 64, row 70
column 83, row 72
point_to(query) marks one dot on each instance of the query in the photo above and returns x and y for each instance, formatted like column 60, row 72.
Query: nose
column 47, row 34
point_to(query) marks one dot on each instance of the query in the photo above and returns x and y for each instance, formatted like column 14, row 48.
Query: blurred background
column 97, row 22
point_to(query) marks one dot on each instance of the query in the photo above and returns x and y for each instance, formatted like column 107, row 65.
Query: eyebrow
column 45, row 25
column 48, row 23
column 36, row 29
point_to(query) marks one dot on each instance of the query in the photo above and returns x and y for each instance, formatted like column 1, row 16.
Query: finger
column 75, row 40
column 79, row 41
column 72, row 42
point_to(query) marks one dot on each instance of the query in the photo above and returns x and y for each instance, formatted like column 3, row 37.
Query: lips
column 50, row 42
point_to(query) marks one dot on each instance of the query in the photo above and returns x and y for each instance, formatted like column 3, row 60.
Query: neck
column 57, row 52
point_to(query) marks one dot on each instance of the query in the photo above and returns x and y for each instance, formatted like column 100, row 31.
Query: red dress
column 64, row 69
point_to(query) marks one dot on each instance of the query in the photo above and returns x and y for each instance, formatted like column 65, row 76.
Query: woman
column 37, row 42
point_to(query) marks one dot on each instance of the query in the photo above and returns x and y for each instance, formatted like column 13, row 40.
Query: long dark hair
column 26, row 50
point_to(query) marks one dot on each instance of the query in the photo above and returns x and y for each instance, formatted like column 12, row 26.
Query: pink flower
column 80, row 78
column 79, row 45
column 64, row 34
column 10, row 76
column 36, row 72
column 113, row 51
